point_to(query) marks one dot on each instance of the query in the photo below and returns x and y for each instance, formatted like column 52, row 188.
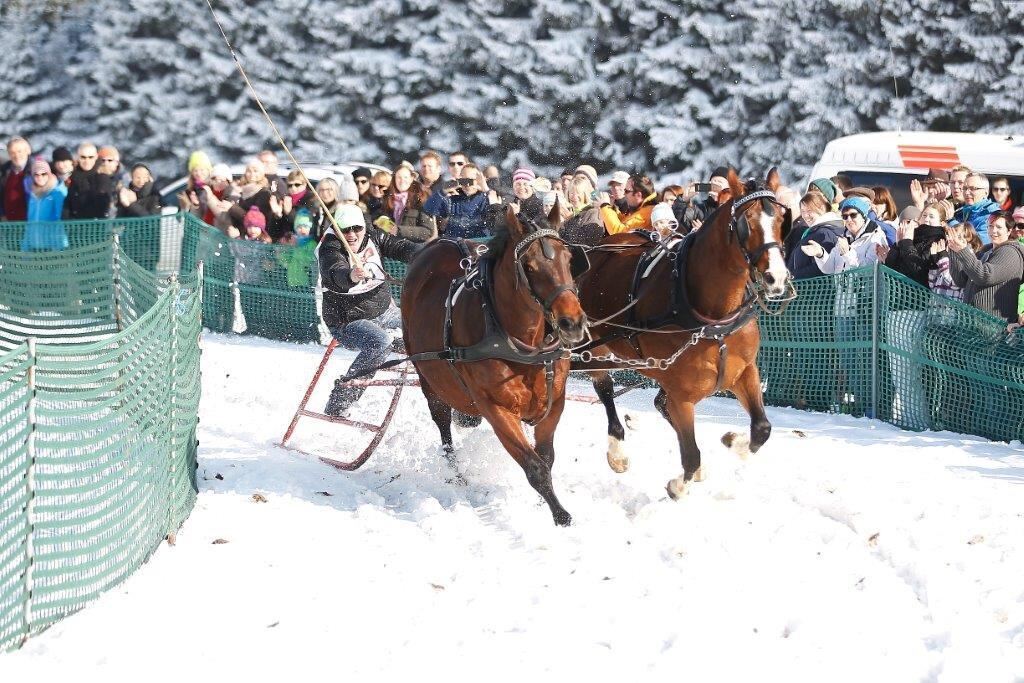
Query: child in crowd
column 297, row 261
column 255, row 224
column 663, row 220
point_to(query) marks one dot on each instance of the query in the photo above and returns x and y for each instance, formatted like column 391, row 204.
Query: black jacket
column 801, row 265
column 913, row 257
column 341, row 308
column 89, row 195
column 584, row 227
column 689, row 210
column 147, row 203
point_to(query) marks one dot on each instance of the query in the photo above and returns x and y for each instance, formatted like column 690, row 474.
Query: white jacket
column 861, row 252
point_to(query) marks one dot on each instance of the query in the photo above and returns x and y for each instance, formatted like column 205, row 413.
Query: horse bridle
column 579, row 265
column 741, row 228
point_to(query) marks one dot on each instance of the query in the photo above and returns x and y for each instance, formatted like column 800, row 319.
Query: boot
column 341, row 399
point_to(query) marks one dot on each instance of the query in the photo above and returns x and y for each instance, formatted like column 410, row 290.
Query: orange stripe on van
column 917, row 156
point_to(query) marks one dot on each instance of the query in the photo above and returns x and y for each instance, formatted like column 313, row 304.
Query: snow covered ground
column 846, row 550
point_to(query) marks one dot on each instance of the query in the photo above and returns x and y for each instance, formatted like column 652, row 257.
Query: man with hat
column 62, row 163
column 357, row 305
column 617, row 190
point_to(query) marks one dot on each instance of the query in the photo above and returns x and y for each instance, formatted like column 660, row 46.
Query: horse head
column 547, row 267
column 759, row 223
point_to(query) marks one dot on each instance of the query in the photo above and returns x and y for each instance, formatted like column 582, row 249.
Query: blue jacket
column 44, row 232
column 467, row 216
column 977, row 215
column 889, row 230
column 826, row 233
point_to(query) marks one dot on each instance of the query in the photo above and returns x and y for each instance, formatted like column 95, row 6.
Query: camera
column 702, row 188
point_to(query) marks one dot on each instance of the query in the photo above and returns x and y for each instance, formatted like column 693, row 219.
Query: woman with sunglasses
column 297, row 196
column 379, row 184
column 357, row 305
column 46, row 196
column 1002, row 194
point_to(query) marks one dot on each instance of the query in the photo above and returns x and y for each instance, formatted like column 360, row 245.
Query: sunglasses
column 456, row 163
column 850, row 216
column 352, row 228
column 296, row 184
column 362, row 181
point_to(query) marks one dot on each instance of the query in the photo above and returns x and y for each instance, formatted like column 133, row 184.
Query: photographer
column 465, row 204
column 692, row 211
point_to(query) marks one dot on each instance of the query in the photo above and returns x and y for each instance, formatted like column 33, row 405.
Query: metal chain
column 648, row 363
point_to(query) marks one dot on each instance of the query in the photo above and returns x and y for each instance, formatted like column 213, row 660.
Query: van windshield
column 899, row 184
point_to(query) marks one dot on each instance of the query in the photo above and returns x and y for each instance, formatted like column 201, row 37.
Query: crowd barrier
column 99, row 397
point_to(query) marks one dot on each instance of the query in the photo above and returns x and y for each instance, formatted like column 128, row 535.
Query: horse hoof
column 676, row 488
column 699, row 474
column 617, row 460
column 737, row 443
column 562, row 518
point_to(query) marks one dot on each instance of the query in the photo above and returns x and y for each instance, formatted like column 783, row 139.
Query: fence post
column 30, row 487
column 875, row 322
column 118, row 319
column 173, row 365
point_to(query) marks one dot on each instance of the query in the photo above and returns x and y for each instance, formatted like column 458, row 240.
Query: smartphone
column 702, row 187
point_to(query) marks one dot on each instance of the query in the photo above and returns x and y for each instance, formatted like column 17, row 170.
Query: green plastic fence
column 866, row 342
column 98, row 414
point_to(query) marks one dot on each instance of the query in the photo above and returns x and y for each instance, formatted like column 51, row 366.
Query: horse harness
column 497, row 343
column 681, row 312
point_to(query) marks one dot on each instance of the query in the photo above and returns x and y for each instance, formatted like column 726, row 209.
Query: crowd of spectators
column 960, row 235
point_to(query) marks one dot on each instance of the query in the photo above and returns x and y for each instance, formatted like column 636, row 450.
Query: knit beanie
column 362, row 172
column 302, row 220
column 720, row 172
column 663, row 212
column 198, row 159
column 589, row 172
column 39, row 163
column 349, row 215
column 858, row 204
column 221, row 171
column 254, row 218
column 1018, row 214
column 62, row 154
column 524, row 174
column 826, row 187
column 347, row 190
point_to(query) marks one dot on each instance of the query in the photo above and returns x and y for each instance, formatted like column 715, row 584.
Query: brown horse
column 501, row 323
column 692, row 317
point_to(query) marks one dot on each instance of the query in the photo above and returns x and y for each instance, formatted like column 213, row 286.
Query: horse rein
column 541, row 235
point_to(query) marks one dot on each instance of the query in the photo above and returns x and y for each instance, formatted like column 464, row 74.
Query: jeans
column 370, row 337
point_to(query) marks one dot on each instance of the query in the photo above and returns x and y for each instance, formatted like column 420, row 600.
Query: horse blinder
column 580, row 262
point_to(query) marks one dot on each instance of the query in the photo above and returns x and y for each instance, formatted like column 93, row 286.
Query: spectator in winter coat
column 430, row 171
column 404, row 208
column 139, row 198
column 1001, row 194
column 869, row 194
column 640, row 201
column 379, row 184
column 44, row 231
column 282, row 211
column 856, row 247
column 457, row 162
column 255, row 191
column 663, row 221
column 585, row 225
column 329, row 194
column 524, row 190
column 992, row 279
column 255, row 224
column 90, row 192
column 617, row 190
column 977, row 206
column 194, row 197
column 297, row 261
column 692, row 211
column 957, row 184
column 357, row 304
column 464, row 205
column 221, row 195
column 823, row 227
column 270, row 170
column 912, row 254
column 361, row 176
column 62, row 163
column 15, row 181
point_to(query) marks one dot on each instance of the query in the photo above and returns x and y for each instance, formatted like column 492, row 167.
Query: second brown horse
column 735, row 257
column 510, row 314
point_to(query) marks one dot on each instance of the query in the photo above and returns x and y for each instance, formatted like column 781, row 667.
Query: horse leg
column 544, row 432
column 681, row 416
column 605, row 388
column 748, row 392
column 509, row 430
column 441, row 413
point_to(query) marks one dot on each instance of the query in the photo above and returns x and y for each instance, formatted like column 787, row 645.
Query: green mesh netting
column 98, row 414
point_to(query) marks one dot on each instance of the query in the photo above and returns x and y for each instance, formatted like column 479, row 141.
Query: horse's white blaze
column 617, row 458
column 776, row 264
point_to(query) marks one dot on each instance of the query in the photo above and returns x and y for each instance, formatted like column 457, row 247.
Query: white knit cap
column 663, row 212
column 349, row 215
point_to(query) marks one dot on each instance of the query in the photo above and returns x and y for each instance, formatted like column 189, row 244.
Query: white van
column 894, row 159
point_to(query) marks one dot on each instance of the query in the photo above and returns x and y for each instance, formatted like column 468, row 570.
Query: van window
column 899, row 184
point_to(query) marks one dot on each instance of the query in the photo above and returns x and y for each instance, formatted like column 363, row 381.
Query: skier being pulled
column 357, row 305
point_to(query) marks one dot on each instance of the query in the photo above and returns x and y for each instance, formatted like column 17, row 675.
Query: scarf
column 297, row 197
column 401, row 198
